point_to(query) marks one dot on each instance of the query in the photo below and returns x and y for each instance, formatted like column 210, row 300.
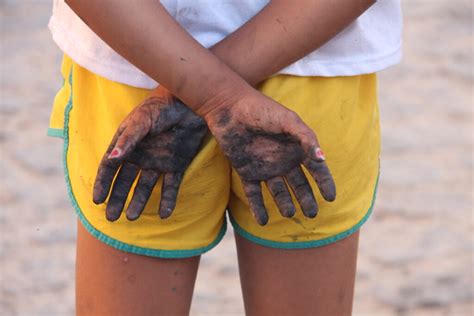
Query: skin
column 315, row 281
column 173, row 137
column 115, row 283
column 167, row 54
column 258, row 49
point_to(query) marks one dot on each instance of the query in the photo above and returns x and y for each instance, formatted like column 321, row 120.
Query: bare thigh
column 112, row 282
column 315, row 281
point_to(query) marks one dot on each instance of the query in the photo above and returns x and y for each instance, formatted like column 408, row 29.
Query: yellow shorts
column 343, row 111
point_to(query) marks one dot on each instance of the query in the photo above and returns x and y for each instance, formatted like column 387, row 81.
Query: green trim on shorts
column 169, row 254
column 56, row 132
column 306, row 244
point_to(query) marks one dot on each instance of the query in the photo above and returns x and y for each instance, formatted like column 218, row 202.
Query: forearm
column 284, row 32
column 145, row 34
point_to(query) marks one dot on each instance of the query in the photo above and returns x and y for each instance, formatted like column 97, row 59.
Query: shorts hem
column 162, row 253
column 55, row 132
column 150, row 252
column 305, row 244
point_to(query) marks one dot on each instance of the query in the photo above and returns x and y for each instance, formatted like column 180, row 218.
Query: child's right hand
column 159, row 137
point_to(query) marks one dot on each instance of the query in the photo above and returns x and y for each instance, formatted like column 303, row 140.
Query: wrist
column 224, row 98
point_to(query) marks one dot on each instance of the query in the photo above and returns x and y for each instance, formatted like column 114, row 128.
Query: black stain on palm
column 224, row 118
column 258, row 155
column 171, row 150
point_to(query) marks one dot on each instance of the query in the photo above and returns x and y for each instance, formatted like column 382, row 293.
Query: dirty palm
column 162, row 136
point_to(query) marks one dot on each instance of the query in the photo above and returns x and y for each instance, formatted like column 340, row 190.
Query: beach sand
column 415, row 252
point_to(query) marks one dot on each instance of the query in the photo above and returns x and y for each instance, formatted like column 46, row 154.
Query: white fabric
column 370, row 44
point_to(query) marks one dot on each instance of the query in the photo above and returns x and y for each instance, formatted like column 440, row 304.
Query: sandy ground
column 416, row 252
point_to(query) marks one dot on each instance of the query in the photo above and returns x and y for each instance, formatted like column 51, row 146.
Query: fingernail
column 319, row 154
column 115, row 153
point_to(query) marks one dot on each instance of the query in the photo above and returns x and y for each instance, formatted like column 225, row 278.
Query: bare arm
column 277, row 36
column 145, row 34
column 284, row 32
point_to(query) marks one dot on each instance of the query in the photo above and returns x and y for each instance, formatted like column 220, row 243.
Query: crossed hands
column 263, row 141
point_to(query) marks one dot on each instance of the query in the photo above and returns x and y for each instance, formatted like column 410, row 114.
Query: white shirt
column 369, row 44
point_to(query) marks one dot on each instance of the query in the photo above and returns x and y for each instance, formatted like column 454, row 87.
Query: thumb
column 128, row 139
column 308, row 140
column 150, row 116
column 315, row 161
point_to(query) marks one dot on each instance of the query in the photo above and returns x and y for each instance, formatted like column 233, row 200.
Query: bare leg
column 315, row 281
column 112, row 282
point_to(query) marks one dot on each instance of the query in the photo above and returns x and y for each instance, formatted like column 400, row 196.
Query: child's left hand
column 160, row 136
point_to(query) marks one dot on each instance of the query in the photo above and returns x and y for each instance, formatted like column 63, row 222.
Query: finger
column 129, row 138
column 303, row 192
column 120, row 190
column 169, row 193
column 281, row 195
column 253, row 191
column 105, row 174
column 315, row 161
column 320, row 172
column 152, row 114
column 309, row 142
column 142, row 192
column 103, row 180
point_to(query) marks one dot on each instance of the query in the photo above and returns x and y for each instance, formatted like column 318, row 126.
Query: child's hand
column 160, row 136
column 267, row 142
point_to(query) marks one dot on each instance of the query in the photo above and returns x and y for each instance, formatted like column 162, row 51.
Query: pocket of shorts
column 61, row 101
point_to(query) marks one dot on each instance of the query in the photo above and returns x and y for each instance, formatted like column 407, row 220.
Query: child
column 314, row 64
